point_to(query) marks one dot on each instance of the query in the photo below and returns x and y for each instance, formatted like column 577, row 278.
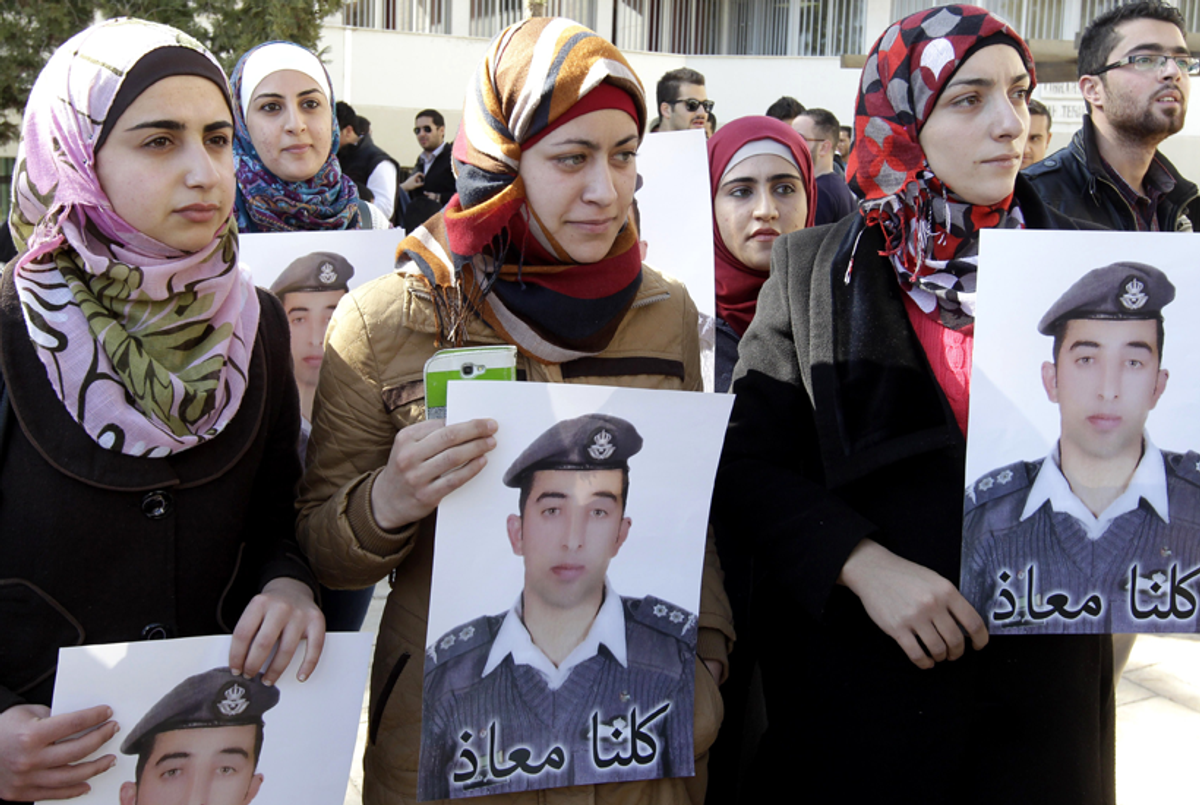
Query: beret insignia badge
column 1134, row 296
column 602, row 445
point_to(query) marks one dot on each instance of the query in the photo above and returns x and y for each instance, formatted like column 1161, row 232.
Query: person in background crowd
column 843, row 150
column 682, row 100
column 285, row 146
column 786, row 109
column 570, row 297
column 819, row 128
column 365, row 162
column 844, row 464
column 149, row 411
column 289, row 180
column 1038, row 141
column 710, row 125
column 431, row 183
column 1135, row 77
column 761, row 177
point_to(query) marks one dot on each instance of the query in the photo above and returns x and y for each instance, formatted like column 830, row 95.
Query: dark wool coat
column 99, row 547
column 840, row 433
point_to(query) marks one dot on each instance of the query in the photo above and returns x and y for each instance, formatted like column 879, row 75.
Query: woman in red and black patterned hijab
column 844, row 464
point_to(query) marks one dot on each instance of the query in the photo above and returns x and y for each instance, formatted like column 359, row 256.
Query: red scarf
column 932, row 236
column 737, row 285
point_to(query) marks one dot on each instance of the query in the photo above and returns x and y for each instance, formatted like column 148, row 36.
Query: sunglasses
column 426, row 129
column 693, row 105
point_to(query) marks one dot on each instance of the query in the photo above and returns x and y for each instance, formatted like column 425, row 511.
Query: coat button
column 156, row 631
column 157, row 505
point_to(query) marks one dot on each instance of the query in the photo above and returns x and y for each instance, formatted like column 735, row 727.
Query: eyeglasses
column 426, row 129
column 1154, row 62
column 693, row 105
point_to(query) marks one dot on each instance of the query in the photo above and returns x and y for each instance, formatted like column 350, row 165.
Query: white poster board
column 308, row 736
column 372, row 252
column 1030, row 565
column 655, row 573
column 675, row 204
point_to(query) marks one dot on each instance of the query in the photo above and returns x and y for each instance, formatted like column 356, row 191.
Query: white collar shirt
column 607, row 629
column 1149, row 482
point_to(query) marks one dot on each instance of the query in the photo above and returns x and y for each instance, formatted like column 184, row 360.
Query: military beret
column 589, row 442
column 215, row 698
column 1117, row 291
column 319, row 271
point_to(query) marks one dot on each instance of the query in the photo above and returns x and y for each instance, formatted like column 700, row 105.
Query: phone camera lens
column 468, row 369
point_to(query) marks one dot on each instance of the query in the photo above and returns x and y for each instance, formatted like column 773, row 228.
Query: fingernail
column 267, row 682
column 302, row 677
column 112, row 762
column 235, row 671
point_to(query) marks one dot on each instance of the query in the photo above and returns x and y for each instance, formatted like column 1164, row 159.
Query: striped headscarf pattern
column 147, row 347
column 487, row 254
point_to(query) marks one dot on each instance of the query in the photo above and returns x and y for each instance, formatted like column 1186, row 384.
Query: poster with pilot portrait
column 190, row 731
column 310, row 273
column 566, row 586
column 1081, row 511
column 675, row 206
column 372, row 252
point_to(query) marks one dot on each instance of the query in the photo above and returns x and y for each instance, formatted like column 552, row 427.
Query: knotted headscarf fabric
column 147, row 347
column 932, row 235
column 487, row 254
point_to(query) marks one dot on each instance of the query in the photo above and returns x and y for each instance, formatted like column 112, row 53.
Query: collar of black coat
column 1085, row 145
column 875, row 398
column 66, row 446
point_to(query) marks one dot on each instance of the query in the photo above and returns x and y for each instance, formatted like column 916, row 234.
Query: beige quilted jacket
column 371, row 387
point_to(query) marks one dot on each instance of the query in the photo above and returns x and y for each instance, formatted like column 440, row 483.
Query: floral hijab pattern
column 147, row 347
column 932, row 235
column 266, row 203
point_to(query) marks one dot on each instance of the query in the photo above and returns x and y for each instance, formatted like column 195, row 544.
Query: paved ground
column 1158, row 720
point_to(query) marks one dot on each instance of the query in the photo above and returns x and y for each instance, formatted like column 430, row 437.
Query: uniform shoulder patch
column 461, row 639
column 662, row 616
column 998, row 483
column 1184, row 465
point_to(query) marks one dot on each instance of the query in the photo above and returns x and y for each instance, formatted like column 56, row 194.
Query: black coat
column 99, row 547
column 840, row 432
column 440, row 176
column 1073, row 181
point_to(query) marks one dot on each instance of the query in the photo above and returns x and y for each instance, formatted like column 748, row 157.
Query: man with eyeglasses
column 1134, row 75
column 682, row 100
column 431, row 183
column 820, row 130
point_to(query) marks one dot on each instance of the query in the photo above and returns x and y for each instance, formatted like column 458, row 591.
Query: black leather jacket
column 1074, row 182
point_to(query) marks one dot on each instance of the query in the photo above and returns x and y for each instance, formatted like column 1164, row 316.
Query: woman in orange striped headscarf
column 549, row 262
column 536, row 250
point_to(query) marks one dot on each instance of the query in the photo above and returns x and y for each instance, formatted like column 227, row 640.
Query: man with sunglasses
column 1135, row 77
column 431, row 183
column 682, row 100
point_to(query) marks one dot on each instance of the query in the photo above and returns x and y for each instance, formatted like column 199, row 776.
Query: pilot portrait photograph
column 201, row 742
column 1100, row 533
column 190, row 732
column 571, row 677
